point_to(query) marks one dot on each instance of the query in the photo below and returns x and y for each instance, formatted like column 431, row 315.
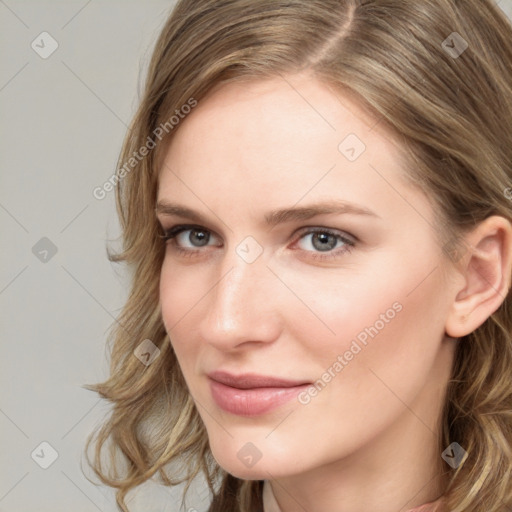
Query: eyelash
column 172, row 233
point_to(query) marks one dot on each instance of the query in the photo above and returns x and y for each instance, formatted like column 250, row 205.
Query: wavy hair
column 453, row 116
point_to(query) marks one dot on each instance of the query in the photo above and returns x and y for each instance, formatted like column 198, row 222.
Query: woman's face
column 271, row 278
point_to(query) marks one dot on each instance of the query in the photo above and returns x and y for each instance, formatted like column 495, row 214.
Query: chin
column 237, row 462
column 247, row 474
column 238, row 469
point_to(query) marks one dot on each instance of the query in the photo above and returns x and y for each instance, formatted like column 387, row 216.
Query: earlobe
column 487, row 272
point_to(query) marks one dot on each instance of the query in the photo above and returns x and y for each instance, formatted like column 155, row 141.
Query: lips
column 252, row 394
column 251, row 380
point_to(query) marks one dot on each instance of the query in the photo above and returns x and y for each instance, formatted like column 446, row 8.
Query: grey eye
column 323, row 241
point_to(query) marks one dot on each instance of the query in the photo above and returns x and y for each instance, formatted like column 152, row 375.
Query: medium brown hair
column 453, row 116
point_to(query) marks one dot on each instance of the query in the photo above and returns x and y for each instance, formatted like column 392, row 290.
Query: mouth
column 252, row 394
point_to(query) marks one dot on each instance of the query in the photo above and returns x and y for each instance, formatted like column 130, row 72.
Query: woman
column 318, row 221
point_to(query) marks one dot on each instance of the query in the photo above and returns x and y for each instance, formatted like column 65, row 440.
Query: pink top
column 433, row 506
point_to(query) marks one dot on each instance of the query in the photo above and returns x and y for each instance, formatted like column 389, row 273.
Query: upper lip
column 252, row 380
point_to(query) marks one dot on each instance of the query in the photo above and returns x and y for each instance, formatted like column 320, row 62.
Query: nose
column 241, row 309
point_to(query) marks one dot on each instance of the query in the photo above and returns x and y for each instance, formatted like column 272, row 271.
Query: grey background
column 63, row 121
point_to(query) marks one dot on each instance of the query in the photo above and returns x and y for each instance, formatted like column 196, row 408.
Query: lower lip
column 252, row 402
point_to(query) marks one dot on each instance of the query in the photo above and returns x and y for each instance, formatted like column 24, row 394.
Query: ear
column 486, row 269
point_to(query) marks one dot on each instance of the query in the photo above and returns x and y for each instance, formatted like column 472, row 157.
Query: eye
column 323, row 240
column 187, row 238
column 319, row 243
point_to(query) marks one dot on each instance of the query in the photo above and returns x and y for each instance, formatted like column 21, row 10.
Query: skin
column 369, row 439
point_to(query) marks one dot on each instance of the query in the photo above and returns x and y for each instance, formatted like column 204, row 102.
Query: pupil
column 324, row 238
column 201, row 237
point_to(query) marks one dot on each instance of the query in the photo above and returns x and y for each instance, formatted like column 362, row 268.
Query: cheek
column 388, row 331
column 390, row 314
column 181, row 289
column 179, row 297
column 328, row 310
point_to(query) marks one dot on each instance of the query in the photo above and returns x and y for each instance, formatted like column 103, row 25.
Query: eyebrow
column 275, row 217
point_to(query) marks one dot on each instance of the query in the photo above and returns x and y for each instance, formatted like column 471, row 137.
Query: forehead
column 291, row 106
column 281, row 140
